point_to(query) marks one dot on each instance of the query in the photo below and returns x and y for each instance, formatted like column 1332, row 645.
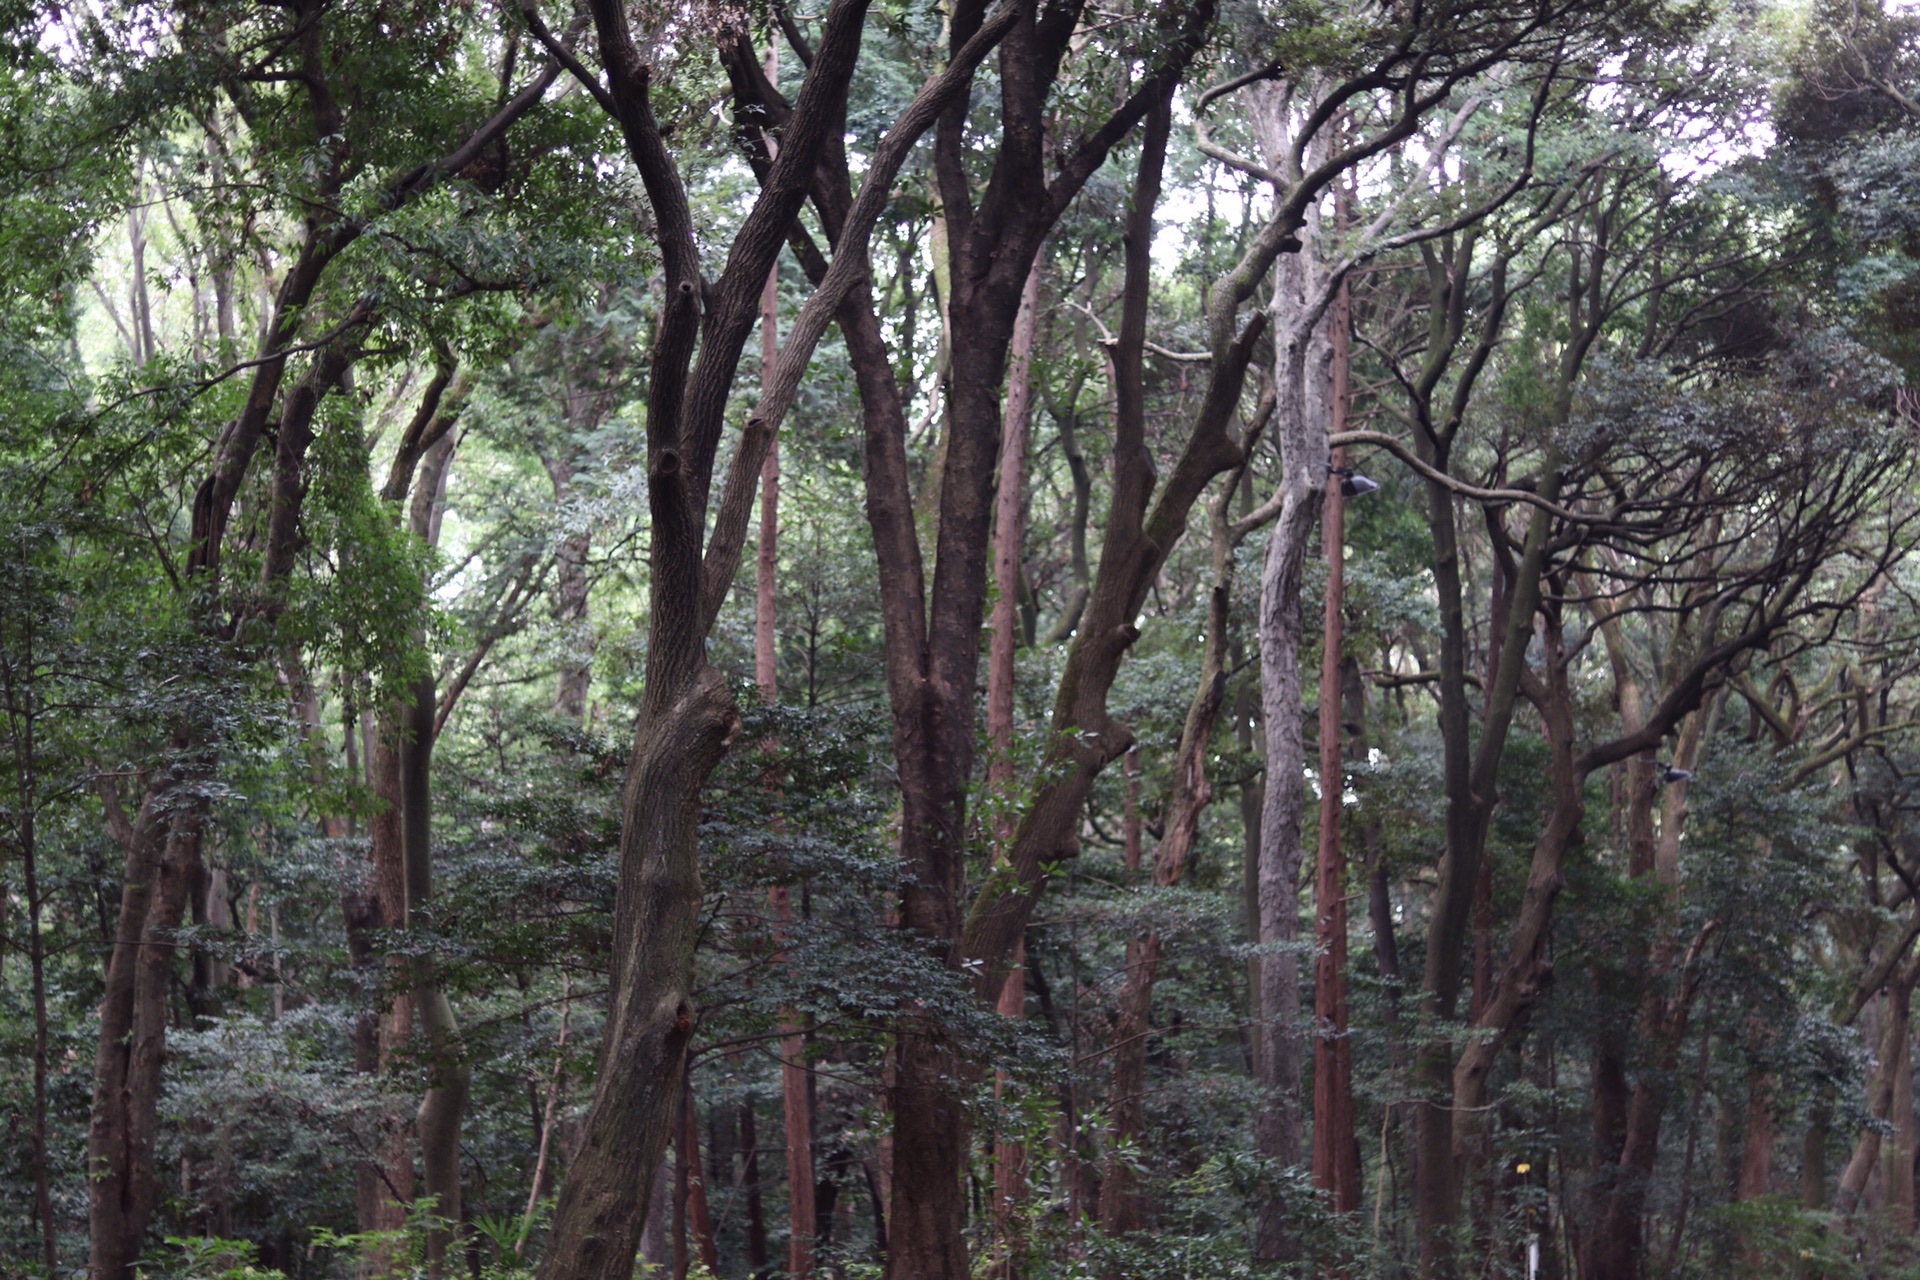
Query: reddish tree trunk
column 796, row 1097
column 693, row 1181
column 1756, row 1156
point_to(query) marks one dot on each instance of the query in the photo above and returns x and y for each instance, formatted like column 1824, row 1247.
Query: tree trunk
column 1892, row 1070
column 757, row 1254
column 384, row 1186
column 163, row 846
column 1756, row 1154
column 36, row 963
column 443, row 1103
column 570, row 611
column 1335, row 1169
column 693, row 1181
column 1009, row 1153
column 123, row 1190
column 1302, row 352
column 933, row 665
column 796, row 1097
column 1616, row 1243
column 1121, row 1207
column 1897, row 1148
column 687, row 716
column 795, row 1090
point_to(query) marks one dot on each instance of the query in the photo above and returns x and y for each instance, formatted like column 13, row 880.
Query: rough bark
column 1300, row 356
column 122, row 1186
column 1897, row 1147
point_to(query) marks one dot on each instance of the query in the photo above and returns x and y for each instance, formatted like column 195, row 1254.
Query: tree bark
column 1009, row 1152
column 1277, row 1121
column 22, row 707
column 1616, row 1242
column 693, row 1182
column 933, row 657
column 1302, row 356
column 1335, row 1169
column 443, row 1102
column 1892, row 1069
column 795, row 1091
column 122, row 1186
column 757, row 1254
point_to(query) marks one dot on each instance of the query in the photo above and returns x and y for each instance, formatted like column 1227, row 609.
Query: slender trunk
column 443, row 1103
column 163, row 847
column 656, row 1250
column 932, row 654
column 163, row 844
column 1813, row 1153
column 1892, row 1070
column 122, row 1186
column 693, row 1180
column 1009, row 1153
column 385, row 1184
column 1121, row 1206
column 575, row 673
column 687, row 716
column 36, row 962
column 795, row 1092
column 1246, row 713
column 141, row 302
column 682, row 1191
column 796, row 1097
column 1616, row 1245
column 1335, row 1168
column 1756, row 1155
column 757, row 1255
column 537, row 1183
column 1897, row 1148
column 766, row 564
column 1302, row 353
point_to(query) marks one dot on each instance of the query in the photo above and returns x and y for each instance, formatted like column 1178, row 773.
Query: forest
column 959, row 639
